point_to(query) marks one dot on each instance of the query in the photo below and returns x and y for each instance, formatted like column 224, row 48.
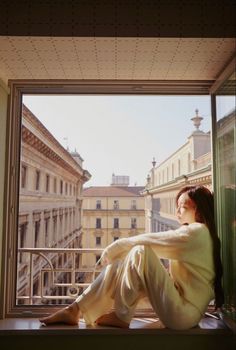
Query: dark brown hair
column 204, row 201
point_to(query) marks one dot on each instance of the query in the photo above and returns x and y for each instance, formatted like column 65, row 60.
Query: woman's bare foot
column 69, row 315
column 112, row 320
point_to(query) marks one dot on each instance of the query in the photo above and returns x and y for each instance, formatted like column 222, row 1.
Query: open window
column 36, row 254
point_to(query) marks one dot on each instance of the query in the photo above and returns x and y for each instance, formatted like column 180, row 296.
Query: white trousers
column 122, row 284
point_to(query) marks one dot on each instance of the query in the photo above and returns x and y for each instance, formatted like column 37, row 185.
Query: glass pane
column 226, row 187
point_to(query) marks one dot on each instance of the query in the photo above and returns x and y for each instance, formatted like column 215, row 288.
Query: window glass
column 116, row 204
column 37, row 180
column 47, row 182
column 226, row 187
column 23, row 176
column 98, row 204
column 98, row 223
column 116, row 223
column 133, row 223
column 98, row 240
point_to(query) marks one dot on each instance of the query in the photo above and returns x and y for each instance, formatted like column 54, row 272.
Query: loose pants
column 122, row 284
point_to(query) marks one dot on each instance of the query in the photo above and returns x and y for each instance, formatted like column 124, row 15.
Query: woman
column 133, row 270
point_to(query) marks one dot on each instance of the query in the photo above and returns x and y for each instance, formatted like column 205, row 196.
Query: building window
column 116, row 223
column 116, row 204
column 133, row 204
column 173, row 170
column 22, row 233
column 97, row 258
column 55, row 185
column 98, row 223
column 37, row 180
column 36, row 233
column 54, row 229
column 133, row 223
column 98, row 240
column 46, row 232
column 98, row 204
column 61, row 187
column 23, row 176
column 66, row 188
column 47, row 182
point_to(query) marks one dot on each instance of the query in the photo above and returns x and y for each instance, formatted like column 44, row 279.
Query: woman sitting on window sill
column 133, row 269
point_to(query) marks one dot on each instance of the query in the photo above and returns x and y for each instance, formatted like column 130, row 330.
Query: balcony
column 53, row 274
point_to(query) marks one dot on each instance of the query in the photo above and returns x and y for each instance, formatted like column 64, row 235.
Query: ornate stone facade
column 50, row 200
column 188, row 165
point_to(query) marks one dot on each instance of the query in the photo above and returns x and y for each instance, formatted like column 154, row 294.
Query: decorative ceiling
column 100, row 58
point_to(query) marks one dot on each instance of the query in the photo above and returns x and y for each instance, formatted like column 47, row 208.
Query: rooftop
column 112, row 191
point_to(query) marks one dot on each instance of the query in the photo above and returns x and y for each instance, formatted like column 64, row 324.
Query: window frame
column 98, row 204
column 24, row 171
column 47, row 183
column 18, row 88
column 98, row 241
column 228, row 310
column 133, row 223
column 37, row 179
column 98, row 224
column 116, row 223
column 116, row 204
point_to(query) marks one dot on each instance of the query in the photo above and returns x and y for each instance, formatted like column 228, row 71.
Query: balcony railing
column 43, row 266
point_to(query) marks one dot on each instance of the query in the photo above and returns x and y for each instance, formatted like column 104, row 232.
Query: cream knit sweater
column 189, row 250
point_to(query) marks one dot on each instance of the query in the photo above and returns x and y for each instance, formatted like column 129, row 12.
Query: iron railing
column 41, row 262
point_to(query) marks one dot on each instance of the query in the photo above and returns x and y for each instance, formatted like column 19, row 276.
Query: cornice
column 29, row 138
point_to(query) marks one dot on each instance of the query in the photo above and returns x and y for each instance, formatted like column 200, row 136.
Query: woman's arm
column 168, row 244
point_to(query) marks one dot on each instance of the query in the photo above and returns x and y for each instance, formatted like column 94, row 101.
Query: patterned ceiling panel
column 114, row 58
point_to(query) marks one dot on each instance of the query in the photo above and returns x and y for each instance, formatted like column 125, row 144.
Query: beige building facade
column 110, row 213
column 188, row 165
column 50, row 201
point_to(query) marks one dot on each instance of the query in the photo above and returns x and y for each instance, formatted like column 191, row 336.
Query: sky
column 120, row 134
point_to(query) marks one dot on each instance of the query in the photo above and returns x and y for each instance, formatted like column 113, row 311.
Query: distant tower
column 119, row 180
column 77, row 157
column 197, row 120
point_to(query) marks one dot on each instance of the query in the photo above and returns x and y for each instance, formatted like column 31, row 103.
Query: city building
column 188, row 165
column 110, row 213
column 50, row 202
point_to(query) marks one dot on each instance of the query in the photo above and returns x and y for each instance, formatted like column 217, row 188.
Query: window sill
column 31, row 326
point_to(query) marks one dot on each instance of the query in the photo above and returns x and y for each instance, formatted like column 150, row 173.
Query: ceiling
column 113, row 58
column 147, row 40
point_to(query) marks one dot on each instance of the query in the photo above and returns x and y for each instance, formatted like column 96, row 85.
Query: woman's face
column 186, row 210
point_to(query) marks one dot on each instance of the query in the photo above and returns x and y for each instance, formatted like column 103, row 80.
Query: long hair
column 204, row 201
